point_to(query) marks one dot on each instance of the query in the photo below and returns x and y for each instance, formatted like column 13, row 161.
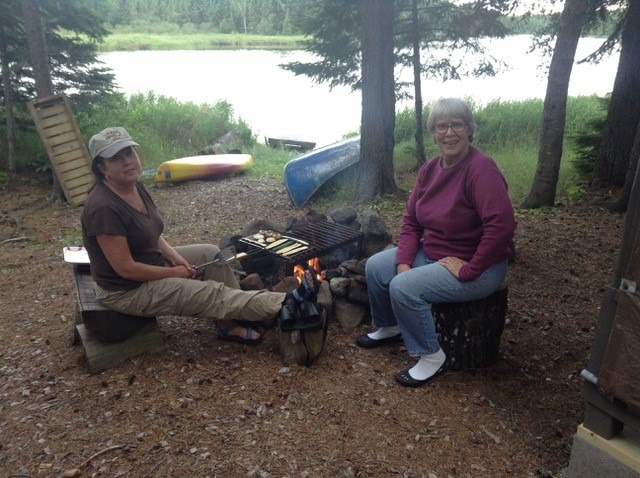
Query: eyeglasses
column 456, row 126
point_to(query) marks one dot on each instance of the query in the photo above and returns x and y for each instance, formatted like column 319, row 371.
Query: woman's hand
column 183, row 271
column 403, row 268
column 171, row 255
column 453, row 265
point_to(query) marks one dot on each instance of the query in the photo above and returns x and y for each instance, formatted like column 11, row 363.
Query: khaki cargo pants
column 216, row 296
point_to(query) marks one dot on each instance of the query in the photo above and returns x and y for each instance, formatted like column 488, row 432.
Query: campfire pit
column 322, row 238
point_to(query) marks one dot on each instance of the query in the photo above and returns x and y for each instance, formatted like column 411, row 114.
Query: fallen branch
column 15, row 239
column 101, row 452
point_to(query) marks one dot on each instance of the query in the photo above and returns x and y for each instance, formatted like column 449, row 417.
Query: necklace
column 138, row 202
column 133, row 199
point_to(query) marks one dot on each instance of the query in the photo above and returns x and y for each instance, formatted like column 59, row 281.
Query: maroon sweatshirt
column 462, row 211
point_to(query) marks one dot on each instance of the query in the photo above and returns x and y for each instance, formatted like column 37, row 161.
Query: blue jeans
column 403, row 299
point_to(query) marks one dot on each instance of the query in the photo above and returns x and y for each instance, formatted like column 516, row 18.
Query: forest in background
column 257, row 17
column 282, row 18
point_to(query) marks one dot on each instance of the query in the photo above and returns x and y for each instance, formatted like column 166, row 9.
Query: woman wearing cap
column 452, row 247
column 139, row 273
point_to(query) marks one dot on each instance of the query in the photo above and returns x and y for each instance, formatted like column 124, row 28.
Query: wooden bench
column 470, row 332
column 109, row 337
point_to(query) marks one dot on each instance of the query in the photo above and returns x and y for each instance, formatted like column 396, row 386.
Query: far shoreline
column 197, row 41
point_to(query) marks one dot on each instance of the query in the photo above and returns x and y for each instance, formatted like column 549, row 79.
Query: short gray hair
column 450, row 108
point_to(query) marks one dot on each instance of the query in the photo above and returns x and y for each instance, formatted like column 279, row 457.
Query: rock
column 340, row 286
column 344, row 215
column 288, row 284
column 252, row 282
column 376, row 233
column 347, row 314
column 358, row 293
column 325, row 298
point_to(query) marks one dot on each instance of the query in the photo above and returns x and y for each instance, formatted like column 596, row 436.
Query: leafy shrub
column 586, row 141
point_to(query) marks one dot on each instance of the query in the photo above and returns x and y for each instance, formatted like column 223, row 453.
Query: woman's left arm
column 171, row 255
column 495, row 209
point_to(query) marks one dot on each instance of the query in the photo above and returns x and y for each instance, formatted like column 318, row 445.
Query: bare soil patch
column 205, row 408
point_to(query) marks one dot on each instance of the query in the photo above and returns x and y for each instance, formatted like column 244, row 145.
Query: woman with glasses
column 453, row 244
column 138, row 273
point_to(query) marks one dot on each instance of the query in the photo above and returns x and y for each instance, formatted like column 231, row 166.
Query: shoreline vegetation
column 128, row 41
column 508, row 130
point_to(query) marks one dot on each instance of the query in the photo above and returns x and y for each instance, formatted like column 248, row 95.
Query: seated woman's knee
column 399, row 285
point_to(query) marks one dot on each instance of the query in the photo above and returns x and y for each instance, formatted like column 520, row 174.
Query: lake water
column 276, row 103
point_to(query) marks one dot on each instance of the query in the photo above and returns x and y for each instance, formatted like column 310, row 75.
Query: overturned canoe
column 304, row 175
column 202, row 167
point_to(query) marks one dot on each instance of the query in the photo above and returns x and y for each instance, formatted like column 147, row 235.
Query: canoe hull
column 202, row 167
column 304, row 175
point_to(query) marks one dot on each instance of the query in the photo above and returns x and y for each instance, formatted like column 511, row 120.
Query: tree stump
column 470, row 332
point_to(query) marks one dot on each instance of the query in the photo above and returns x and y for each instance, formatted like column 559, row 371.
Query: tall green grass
column 509, row 131
column 166, row 40
column 168, row 129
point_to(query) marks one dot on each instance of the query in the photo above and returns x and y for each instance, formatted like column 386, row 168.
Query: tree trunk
column 39, row 55
column 543, row 189
column 375, row 173
column 624, row 109
column 9, row 105
column 623, row 201
column 38, row 51
column 417, row 86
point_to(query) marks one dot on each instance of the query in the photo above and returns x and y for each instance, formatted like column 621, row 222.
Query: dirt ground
column 205, row 408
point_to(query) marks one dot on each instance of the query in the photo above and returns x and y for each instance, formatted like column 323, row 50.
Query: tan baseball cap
column 109, row 141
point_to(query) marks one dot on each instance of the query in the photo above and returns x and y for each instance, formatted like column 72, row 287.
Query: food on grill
column 295, row 251
column 277, row 243
column 286, row 249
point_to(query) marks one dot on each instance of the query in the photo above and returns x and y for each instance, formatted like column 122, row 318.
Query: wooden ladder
column 65, row 145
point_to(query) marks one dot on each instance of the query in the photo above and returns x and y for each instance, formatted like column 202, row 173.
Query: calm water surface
column 276, row 103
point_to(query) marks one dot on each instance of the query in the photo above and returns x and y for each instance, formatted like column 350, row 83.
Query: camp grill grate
column 323, row 237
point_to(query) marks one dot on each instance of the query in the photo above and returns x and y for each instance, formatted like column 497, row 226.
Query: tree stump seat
column 470, row 332
column 109, row 337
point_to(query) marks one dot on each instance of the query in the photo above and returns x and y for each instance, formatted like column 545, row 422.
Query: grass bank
column 509, row 131
column 169, row 129
column 129, row 41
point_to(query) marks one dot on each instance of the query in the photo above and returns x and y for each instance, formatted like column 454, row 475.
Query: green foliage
column 166, row 128
column 272, row 17
column 587, row 140
column 268, row 161
column 509, row 132
column 575, row 192
column 4, row 179
column 439, row 24
column 133, row 41
column 71, row 32
column 503, row 123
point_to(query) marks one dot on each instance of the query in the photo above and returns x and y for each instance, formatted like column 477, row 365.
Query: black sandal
column 224, row 334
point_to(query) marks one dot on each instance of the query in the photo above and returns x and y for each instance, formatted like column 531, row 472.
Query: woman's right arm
column 116, row 250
